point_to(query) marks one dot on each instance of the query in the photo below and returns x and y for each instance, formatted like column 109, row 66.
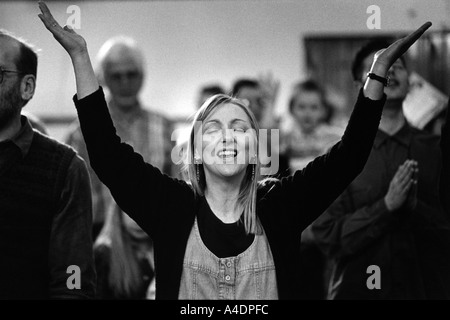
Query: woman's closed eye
column 239, row 129
column 211, row 129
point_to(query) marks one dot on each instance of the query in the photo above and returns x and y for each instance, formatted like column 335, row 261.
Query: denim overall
column 249, row 275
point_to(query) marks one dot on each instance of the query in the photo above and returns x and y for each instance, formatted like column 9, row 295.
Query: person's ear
column 27, row 87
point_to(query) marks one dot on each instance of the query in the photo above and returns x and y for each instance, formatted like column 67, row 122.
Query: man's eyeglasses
column 3, row 71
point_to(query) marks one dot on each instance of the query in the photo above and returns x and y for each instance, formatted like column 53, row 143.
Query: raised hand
column 400, row 186
column 270, row 87
column 76, row 47
column 385, row 58
column 72, row 42
column 388, row 56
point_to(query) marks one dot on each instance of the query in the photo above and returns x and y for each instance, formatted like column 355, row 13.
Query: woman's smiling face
column 228, row 141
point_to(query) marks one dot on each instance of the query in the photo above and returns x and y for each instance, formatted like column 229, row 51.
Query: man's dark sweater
column 45, row 218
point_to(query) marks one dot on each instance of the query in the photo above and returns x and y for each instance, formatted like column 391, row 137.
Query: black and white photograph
column 225, row 154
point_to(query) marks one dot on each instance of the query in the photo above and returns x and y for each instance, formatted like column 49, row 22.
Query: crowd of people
column 110, row 203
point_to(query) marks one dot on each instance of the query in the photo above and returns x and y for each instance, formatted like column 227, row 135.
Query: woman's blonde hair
column 195, row 170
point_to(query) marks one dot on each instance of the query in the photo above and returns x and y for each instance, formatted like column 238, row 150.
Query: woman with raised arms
column 226, row 234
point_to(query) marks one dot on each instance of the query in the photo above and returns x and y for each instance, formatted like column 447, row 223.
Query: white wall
column 188, row 43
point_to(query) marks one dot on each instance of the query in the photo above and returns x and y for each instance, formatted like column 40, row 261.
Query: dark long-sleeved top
column 410, row 246
column 166, row 208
